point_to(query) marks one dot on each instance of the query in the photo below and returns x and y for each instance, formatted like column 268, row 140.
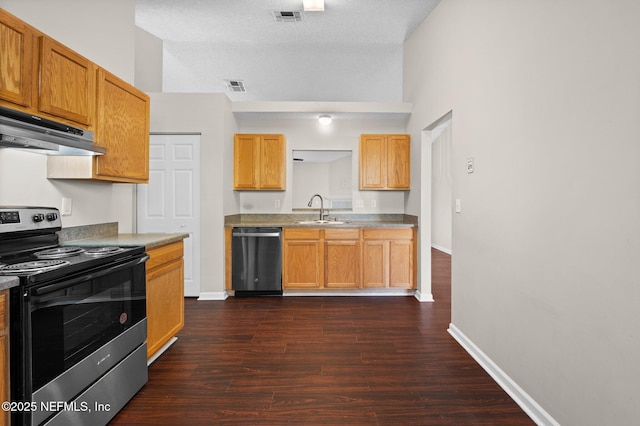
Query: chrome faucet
column 321, row 204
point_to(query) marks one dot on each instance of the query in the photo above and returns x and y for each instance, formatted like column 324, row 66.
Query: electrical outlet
column 276, row 204
column 373, row 204
column 359, row 204
column 470, row 165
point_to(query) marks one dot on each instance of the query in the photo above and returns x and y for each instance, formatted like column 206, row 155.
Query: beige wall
column 546, row 98
column 149, row 53
column 210, row 115
column 104, row 33
column 341, row 134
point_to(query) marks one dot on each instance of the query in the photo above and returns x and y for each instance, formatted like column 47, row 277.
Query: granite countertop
column 8, row 282
column 107, row 234
column 350, row 221
column 148, row 240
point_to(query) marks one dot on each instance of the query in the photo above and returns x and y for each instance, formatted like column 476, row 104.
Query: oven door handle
column 39, row 291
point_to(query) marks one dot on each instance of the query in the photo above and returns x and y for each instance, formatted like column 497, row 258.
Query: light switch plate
column 66, row 206
column 458, row 205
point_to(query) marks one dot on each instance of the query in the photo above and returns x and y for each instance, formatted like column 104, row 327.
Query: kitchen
column 490, row 125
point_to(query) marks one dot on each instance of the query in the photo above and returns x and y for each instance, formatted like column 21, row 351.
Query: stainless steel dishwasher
column 256, row 261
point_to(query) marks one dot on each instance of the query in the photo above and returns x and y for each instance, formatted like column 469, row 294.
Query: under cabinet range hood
column 30, row 132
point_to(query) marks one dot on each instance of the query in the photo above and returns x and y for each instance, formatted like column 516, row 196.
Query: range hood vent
column 37, row 134
column 284, row 16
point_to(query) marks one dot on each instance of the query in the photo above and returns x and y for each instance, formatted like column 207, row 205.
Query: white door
column 170, row 203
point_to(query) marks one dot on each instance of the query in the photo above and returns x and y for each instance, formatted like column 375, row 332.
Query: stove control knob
column 38, row 217
column 51, row 217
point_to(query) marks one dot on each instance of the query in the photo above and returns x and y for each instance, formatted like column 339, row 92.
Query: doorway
column 170, row 202
column 432, row 199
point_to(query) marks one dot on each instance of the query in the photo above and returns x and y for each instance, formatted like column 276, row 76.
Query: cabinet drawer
column 388, row 234
column 341, row 234
column 164, row 254
column 301, row 234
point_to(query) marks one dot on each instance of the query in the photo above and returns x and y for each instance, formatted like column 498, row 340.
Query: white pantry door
column 170, row 203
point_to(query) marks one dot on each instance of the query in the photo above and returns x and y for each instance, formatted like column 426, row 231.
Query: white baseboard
column 442, row 249
column 424, row 297
column 213, row 295
column 523, row 399
column 161, row 350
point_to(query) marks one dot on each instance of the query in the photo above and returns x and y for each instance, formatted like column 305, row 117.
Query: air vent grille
column 235, row 85
column 284, row 16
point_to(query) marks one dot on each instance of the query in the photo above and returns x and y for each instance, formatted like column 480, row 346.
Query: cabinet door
column 342, row 258
column 123, row 128
column 398, row 162
column 374, row 263
column 246, row 161
column 401, row 263
column 302, row 259
column 16, row 60
column 372, row 162
column 67, row 83
column 303, row 265
column 272, row 162
column 165, row 304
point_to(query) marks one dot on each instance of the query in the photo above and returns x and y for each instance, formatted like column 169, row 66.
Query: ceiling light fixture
column 313, row 5
column 324, row 119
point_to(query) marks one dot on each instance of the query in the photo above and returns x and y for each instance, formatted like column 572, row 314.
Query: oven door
column 78, row 328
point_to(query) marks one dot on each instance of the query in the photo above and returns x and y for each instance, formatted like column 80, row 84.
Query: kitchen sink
column 320, row 222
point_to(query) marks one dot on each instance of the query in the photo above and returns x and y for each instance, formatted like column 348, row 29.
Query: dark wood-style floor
column 321, row 361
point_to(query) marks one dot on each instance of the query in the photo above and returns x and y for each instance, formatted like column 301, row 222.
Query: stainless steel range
column 77, row 322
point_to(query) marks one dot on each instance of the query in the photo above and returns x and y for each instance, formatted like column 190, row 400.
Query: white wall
column 546, row 98
column 149, row 51
column 104, row 33
column 210, row 115
column 309, row 134
column 356, row 74
column 441, row 187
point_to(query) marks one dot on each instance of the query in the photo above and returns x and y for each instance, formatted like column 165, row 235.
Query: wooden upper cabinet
column 272, row 162
column 398, row 162
column 67, row 83
column 246, row 161
column 16, row 60
column 385, row 162
column 123, row 128
column 259, row 162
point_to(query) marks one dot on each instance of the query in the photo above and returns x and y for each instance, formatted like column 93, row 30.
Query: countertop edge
column 364, row 224
column 149, row 240
column 8, row 282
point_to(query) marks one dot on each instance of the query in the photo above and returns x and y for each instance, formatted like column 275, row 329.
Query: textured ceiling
column 201, row 37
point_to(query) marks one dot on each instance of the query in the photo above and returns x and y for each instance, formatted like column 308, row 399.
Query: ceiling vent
column 287, row 16
column 235, row 85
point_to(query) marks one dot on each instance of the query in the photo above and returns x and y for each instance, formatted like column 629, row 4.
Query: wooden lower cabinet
column 342, row 258
column 165, row 294
column 303, row 259
column 388, row 258
column 348, row 258
column 4, row 353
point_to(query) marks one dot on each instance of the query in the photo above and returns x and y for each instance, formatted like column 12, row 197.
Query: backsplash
column 87, row 231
